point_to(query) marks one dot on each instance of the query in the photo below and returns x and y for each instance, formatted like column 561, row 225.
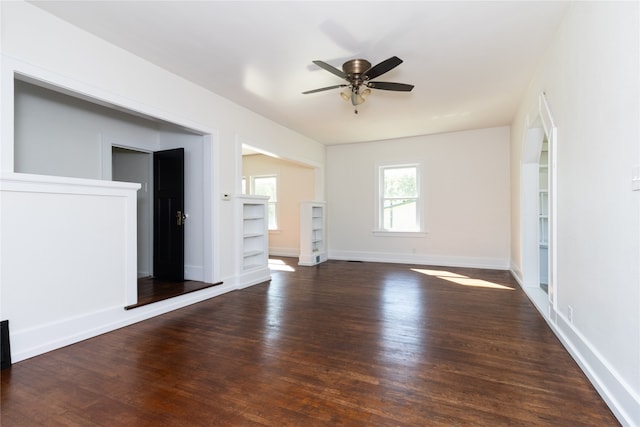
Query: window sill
column 387, row 233
column 274, row 231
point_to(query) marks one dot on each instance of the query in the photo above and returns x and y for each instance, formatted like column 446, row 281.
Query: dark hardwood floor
column 152, row 290
column 351, row 344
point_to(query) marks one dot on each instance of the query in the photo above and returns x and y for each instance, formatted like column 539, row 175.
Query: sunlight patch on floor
column 461, row 279
column 280, row 265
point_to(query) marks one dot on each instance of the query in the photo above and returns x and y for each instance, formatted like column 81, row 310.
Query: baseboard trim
column 422, row 259
column 286, row 252
column 253, row 277
column 618, row 395
column 32, row 342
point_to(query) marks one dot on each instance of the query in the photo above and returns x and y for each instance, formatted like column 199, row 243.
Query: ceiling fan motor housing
column 354, row 70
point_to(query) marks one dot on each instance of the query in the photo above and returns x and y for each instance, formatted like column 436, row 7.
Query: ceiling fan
column 359, row 73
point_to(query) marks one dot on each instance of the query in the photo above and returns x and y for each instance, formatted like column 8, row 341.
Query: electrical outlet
column 570, row 313
column 635, row 178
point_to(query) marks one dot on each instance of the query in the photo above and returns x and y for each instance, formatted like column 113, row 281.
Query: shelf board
column 248, row 254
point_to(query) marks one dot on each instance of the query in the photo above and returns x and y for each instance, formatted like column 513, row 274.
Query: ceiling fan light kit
column 358, row 73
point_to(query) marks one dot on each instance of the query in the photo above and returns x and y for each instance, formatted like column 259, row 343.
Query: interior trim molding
column 619, row 396
column 51, row 336
column 286, row 252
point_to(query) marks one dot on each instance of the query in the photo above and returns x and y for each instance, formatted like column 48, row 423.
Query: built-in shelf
column 253, row 259
column 312, row 233
column 543, row 212
column 254, row 234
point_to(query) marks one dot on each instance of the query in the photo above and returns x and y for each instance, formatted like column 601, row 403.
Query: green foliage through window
column 399, row 208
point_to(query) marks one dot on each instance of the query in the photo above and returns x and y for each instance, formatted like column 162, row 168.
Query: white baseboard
column 286, row 252
column 47, row 337
column 252, row 277
column 614, row 390
column 516, row 273
column 421, row 259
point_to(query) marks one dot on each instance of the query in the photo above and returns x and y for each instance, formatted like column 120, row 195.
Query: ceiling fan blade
column 400, row 87
column 330, row 68
column 381, row 68
column 323, row 89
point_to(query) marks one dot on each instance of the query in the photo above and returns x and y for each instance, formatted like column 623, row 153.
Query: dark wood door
column 168, row 214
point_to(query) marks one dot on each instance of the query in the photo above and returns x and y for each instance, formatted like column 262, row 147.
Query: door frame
column 149, row 189
column 535, row 132
column 211, row 263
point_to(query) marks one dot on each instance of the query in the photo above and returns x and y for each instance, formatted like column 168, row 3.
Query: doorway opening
column 154, row 283
column 293, row 181
column 538, row 210
column 543, row 215
column 131, row 165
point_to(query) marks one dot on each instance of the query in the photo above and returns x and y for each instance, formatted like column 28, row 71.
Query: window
column 267, row 186
column 399, row 198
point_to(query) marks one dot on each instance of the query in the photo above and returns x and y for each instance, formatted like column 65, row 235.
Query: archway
column 538, row 209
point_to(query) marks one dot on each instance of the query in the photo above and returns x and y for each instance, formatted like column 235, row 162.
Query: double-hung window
column 399, row 198
column 268, row 186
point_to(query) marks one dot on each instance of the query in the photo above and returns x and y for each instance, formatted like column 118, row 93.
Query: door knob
column 180, row 218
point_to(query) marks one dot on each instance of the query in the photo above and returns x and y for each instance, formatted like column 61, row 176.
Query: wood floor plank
column 339, row 344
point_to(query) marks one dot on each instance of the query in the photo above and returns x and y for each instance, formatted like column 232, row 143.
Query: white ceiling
column 470, row 62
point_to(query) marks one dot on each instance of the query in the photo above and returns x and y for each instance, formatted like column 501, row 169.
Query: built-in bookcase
column 254, row 246
column 254, row 235
column 313, row 245
column 543, row 213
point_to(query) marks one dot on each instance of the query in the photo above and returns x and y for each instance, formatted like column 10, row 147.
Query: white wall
column 590, row 77
column 56, row 134
column 48, row 49
column 135, row 166
column 295, row 184
column 465, row 182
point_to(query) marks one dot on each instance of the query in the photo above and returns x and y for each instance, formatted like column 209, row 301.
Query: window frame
column 379, row 229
